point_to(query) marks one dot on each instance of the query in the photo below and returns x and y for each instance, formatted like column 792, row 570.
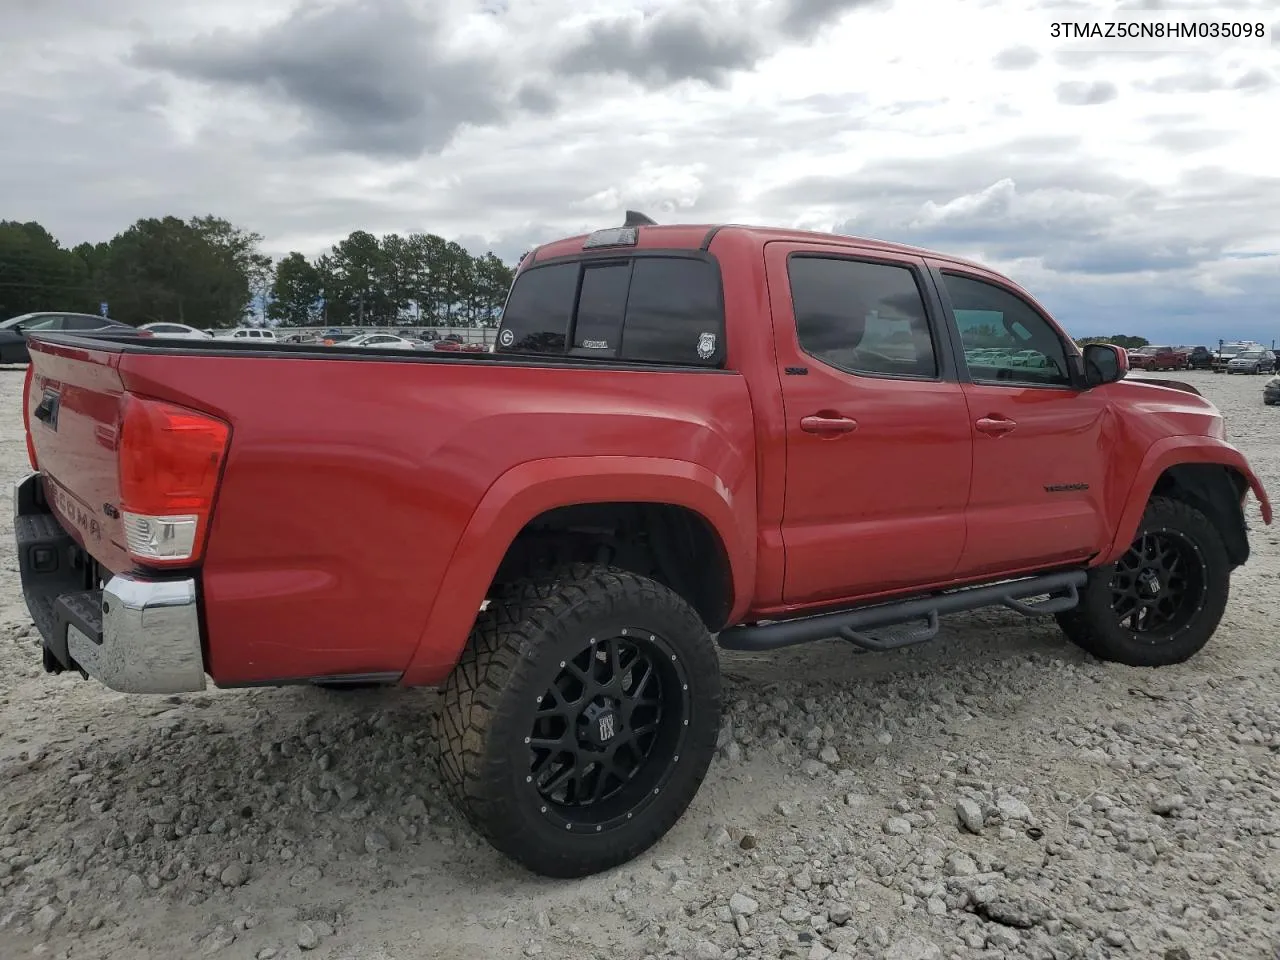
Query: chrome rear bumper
column 135, row 635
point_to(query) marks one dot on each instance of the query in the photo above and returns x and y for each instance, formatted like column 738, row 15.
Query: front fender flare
column 1170, row 452
column 532, row 488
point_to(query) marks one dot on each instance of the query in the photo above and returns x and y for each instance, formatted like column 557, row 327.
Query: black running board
column 1061, row 590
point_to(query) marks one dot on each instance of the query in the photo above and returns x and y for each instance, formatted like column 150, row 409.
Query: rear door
column 878, row 441
column 1039, row 463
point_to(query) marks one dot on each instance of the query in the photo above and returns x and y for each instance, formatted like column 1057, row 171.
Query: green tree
column 361, row 282
column 241, row 247
column 36, row 273
column 167, row 269
column 493, row 279
column 295, row 292
column 208, row 272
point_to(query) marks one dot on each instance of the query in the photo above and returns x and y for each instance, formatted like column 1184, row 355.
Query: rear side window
column 674, row 312
column 862, row 317
column 662, row 309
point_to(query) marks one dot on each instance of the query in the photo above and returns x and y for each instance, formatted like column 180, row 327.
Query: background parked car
column 386, row 341
column 1229, row 350
column 1158, row 358
column 179, row 330
column 1271, row 392
column 13, row 340
column 1252, row 361
column 1199, row 358
column 247, row 333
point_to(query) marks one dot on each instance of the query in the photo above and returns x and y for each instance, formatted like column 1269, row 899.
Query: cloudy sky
column 1132, row 191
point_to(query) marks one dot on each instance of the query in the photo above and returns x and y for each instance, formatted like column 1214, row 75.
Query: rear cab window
column 650, row 307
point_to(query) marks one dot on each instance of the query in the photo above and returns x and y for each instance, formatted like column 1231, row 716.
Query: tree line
column 209, row 273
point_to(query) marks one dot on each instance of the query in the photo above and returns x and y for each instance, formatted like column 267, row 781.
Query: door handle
column 828, row 424
column 995, row 426
column 47, row 410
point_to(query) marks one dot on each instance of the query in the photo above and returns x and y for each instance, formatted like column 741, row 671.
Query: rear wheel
column 1161, row 602
column 581, row 719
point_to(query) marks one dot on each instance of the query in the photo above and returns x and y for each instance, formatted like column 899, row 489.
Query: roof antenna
column 637, row 219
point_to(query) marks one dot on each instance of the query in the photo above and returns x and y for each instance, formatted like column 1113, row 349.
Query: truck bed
column 352, row 474
column 265, row 349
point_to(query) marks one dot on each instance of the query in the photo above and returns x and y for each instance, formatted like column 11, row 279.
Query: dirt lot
column 1122, row 812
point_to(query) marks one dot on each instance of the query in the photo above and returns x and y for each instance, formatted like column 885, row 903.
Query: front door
column 878, row 440
column 1038, row 439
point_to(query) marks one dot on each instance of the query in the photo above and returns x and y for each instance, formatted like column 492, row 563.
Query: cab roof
column 696, row 236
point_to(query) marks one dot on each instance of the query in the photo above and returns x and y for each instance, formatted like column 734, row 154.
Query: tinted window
column 674, row 312
column 536, row 317
column 862, row 317
column 1005, row 339
column 84, row 323
column 50, row 321
column 600, row 308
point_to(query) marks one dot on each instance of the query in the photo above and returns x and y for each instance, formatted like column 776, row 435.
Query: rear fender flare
column 1171, row 452
column 530, row 489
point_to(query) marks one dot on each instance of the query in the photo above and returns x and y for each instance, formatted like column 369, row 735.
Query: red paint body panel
column 348, row 486
column 365, row 504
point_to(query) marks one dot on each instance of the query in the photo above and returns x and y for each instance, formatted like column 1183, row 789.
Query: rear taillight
column 26, row 415
column 169, row 460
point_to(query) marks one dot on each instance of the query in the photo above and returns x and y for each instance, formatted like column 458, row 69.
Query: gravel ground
column 997, row 794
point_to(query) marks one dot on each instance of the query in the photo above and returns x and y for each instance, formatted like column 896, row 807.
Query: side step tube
column 1062, row 590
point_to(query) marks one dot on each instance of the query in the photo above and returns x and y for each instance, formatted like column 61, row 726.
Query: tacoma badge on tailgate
column 72, row 509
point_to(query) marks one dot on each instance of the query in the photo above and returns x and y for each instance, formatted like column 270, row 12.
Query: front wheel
column 1161, row 602
column 581, row 719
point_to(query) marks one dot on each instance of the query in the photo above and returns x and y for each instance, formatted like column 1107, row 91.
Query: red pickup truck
column 1159, row 358
column 684, row 434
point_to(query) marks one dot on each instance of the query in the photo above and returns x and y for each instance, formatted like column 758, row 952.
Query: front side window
column 862, row 317
column 1006, row 340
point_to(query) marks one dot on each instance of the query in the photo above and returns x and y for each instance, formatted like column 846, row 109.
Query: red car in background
column 1158, row 358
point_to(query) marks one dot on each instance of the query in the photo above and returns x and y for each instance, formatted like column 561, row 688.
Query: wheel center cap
column 1149, row 583
column 599, row 725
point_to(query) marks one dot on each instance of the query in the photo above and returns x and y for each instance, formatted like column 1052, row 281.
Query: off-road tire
column 517, row 649
column 1095, row 626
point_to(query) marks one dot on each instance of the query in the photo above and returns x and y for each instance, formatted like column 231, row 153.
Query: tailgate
column 73, row 408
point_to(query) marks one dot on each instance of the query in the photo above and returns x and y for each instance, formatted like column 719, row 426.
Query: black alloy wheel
column 1158, row 585
column 1163, row 599
column 608, row 730
column 581, row 719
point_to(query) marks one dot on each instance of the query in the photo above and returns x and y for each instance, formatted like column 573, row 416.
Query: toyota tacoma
column 684, row 436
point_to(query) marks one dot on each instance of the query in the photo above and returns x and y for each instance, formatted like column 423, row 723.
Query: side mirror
column 1104, row 363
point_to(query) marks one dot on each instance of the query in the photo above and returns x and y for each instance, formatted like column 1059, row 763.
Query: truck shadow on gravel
column 303, row 779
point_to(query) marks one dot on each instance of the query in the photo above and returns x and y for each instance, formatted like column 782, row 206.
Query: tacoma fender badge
column 1064, row 487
